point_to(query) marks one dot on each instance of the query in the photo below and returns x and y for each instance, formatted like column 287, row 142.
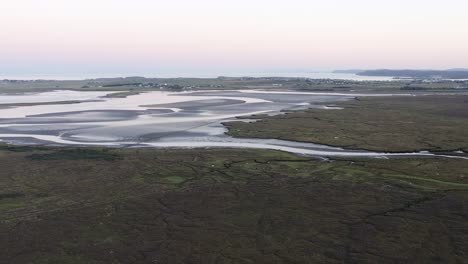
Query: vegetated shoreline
column 234, row 125
column 9, row 105
column 455, row 154
column 415, row 151
column 123, row 94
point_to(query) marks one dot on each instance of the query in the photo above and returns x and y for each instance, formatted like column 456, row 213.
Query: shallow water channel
column 158, row 119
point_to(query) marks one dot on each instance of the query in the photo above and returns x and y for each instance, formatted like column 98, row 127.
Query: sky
column 189, row 37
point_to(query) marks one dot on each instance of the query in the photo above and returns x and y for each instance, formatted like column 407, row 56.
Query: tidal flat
column 162, row 119
column 152, row 119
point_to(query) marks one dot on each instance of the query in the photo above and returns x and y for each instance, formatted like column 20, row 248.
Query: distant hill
column 354, row 71
column 423, row 74
column 458, row 69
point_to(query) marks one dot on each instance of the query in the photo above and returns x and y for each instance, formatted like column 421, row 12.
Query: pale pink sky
column 146, row 35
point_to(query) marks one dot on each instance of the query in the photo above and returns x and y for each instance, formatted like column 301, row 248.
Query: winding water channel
column 159, row 119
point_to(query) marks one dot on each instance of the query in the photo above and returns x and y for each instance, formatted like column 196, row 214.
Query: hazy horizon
column 213, row 74
column 208, row 37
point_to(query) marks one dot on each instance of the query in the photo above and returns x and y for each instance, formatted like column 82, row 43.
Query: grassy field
column 395, row 124
column 66, row 205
